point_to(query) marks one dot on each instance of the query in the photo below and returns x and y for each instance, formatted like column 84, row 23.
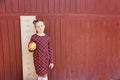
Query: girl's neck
column 41, row 33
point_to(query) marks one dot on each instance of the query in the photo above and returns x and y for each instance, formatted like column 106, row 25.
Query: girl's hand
column 51, row 65
column 31, row 46
column 31, row 49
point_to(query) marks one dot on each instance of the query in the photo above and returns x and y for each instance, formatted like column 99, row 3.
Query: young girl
column 43, row 54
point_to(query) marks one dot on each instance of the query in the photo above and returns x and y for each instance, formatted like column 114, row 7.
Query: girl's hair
column 38, row 20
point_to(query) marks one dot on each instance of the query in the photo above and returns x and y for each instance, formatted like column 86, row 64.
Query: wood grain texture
column 85, row 36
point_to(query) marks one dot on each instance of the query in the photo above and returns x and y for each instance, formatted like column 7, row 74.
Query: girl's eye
column 42, row 25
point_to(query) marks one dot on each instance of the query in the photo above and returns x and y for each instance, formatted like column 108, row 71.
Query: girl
column 43, row 54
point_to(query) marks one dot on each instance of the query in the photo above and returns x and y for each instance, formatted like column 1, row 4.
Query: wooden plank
column 2, row 6
column 28, row 6
column 74, row 45
column 5, row 40
column 8, row 6
column 73, row 6
column 33, row 5
column 91, row 60
column 108, row 48
column 52, row 35
column 39, row 6
column 12, row 50
column 57, row 48
column 77, row 6
column 83, row 51
column 57, row 6
column 114, row 53
column 45, row 6
column 47, row 27
column 118, row 47
column 21, row 6
column 67, row 6
column 51, row 6
column 18, row 50
column 63, row 35
column 2, row 71
column 68, row 49
column 78, row 51
column 62, row 6
column 100, row 50
column 15, row 6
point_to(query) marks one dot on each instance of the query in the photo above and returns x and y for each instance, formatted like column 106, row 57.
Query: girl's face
column 39, row 26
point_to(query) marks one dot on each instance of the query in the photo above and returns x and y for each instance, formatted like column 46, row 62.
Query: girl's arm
column 50, row 52
column 31, row 40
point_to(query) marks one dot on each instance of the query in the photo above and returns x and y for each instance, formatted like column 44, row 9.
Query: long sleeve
column 31, row 40
column 50, row 51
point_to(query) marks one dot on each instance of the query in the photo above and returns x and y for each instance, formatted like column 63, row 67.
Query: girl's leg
column 40, row 78
column 43, row 77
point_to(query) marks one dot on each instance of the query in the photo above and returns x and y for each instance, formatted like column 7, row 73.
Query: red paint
column 85, row 36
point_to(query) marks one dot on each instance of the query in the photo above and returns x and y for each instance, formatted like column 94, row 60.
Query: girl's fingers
column 51, row 66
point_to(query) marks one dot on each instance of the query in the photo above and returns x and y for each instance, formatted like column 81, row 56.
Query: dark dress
column 43, row 54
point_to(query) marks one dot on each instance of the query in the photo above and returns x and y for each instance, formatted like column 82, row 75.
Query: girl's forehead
column 40, row 23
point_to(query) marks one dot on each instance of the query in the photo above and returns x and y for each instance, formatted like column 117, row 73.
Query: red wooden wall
column 85, row 35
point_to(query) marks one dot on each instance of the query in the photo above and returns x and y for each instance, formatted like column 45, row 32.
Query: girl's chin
column 40, row 32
